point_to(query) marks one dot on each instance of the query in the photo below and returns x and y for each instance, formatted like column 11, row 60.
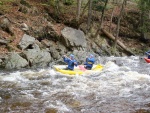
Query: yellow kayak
column 78, row 70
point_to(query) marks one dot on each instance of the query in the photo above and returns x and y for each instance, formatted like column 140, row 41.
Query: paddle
column 81, row 67
column 69, row 59
column 147, row 53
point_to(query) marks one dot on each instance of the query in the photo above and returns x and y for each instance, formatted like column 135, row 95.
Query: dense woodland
column 119, row 20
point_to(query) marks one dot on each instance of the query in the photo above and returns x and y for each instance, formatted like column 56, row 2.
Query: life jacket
column 71, row 63
column 89, row 62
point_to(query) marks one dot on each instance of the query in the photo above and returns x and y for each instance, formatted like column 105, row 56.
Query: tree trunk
column 101, row 20
column 112, row 14
column 57, row 7
column 78, row 10
column 118, row 25
column 118, row 42
column 84, row 9
column 103, row 12
column 149, row 14
column 89, row 15
column 142, row 25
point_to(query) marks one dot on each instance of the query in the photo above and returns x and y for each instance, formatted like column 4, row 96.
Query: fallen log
column 118, row 42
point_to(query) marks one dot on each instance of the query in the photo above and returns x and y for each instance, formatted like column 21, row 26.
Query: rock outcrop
column 73, row 37
column 15, row 61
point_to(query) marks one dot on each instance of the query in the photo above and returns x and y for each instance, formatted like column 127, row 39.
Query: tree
column 78, row 10
column 89, row 15
column 102, row 17
column 144, row 6
column 118, row 25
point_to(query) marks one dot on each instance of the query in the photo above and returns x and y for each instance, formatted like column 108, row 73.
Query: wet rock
column 15, row 61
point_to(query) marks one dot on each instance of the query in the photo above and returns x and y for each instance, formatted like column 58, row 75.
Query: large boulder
column 73, row 38
column 38, row 58
column 26, row 41
column 15, row 61
column 54, row 53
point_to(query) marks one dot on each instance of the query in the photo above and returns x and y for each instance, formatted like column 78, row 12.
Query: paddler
column 90, row 60
column 148, row 53
column 70, row 61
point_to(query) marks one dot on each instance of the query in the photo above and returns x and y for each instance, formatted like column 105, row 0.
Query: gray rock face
column 4, row 23
column 38, row 58
column 1, row 62
column 26, row 41
column 15, row 61
column 54, row 53
column 73, row 37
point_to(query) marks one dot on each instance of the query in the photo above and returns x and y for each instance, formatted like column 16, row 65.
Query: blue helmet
column 72, row 56
column 91, row 55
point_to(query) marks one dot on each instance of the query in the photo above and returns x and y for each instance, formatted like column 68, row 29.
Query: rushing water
column 122, row 87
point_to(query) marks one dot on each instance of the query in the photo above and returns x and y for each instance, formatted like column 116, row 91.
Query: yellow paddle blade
column 98, row 67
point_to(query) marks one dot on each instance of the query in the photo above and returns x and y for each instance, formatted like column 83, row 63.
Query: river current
column 123, row 86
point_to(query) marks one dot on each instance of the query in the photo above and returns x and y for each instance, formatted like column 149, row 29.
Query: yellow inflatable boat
column 79, row 70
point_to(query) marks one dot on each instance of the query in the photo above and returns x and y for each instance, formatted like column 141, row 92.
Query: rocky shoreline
column 31, row 37
column 41, row 54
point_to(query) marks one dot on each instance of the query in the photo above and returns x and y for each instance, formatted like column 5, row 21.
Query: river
column 123, row 86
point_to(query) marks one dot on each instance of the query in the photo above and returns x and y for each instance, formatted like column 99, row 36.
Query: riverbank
column 32, row 35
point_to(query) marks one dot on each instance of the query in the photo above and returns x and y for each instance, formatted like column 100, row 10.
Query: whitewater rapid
column 123, row 86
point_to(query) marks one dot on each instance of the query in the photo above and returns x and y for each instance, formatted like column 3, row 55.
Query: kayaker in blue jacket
column 89, row 62
column 148, row 53
column 70, row 61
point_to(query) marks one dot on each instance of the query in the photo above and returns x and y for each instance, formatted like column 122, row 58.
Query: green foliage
column 98, row 5
column 1, row 3
column 68, row 2
column 23, row 2
column 144, row 6
column 4, row 6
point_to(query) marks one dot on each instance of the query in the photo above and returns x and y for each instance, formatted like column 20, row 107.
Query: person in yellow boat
column 90, row 60
column 70, row 61
column 148, row 53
